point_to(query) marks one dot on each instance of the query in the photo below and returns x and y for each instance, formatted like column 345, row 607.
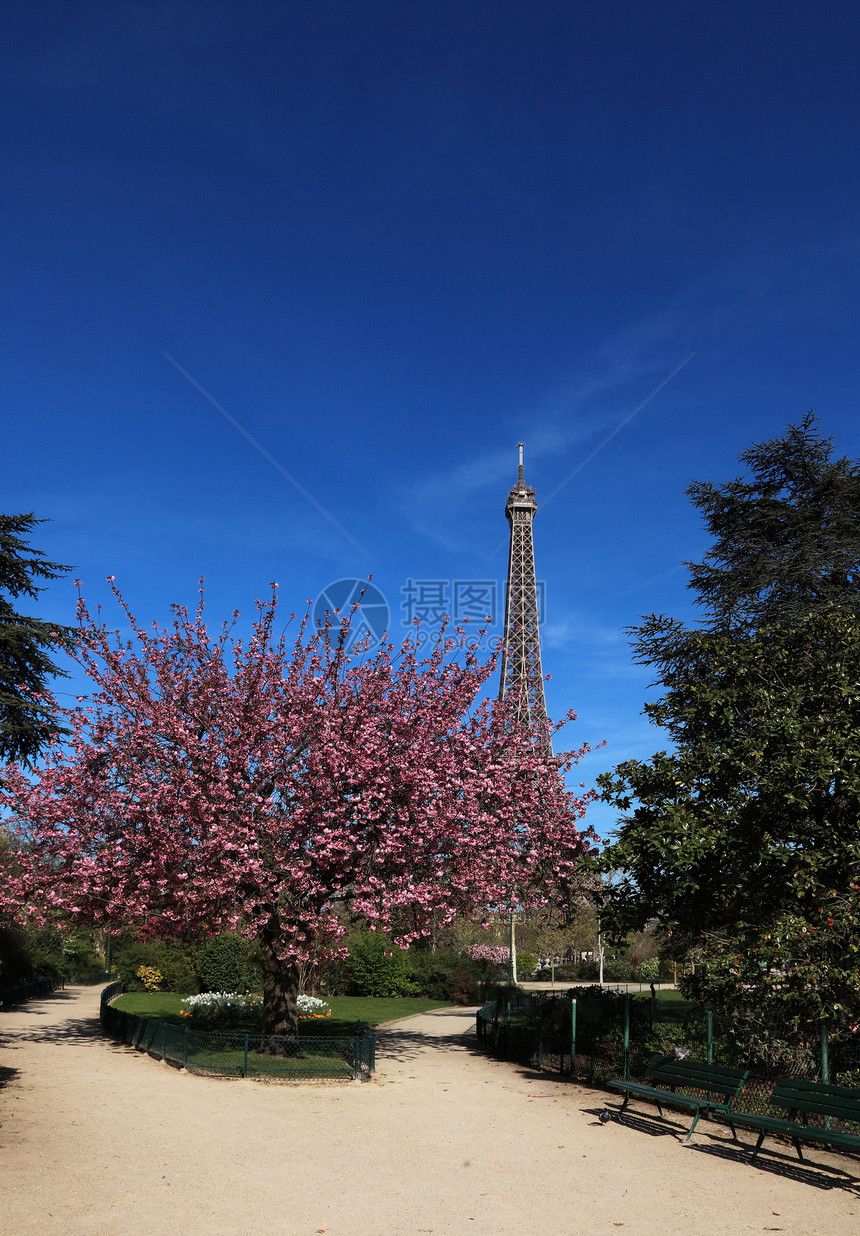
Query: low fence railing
column 242, row 1055
column 10, row 996
column 594, row 1036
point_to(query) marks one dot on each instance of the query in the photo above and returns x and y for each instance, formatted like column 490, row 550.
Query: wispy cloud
column 569, row 423
column 572, row 421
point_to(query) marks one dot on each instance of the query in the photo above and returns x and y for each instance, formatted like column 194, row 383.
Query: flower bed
column 311, row 1007
column 219, row 1003
column 212, row 1004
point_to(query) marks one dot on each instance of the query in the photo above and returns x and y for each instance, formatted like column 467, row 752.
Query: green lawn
column 345, row 1012
column 328, row 1060
column 673, row 1006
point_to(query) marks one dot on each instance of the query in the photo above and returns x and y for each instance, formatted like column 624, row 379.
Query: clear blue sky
column 393, row 239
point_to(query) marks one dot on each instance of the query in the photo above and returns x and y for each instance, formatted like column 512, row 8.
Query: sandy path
column 97, row 1139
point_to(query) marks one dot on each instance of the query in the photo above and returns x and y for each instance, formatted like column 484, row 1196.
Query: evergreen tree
column 745, row 838
column 27, row 714
column 786, row 543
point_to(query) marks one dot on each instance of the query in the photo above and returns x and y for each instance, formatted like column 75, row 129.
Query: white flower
column 308, row 1005
column 215, row 1003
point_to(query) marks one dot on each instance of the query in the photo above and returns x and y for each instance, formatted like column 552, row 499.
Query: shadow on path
column 642, row 1124
column 7, row 1075
column 808, row 1172
column 40, row 1006
column 406, row 1044
column 72, row 1031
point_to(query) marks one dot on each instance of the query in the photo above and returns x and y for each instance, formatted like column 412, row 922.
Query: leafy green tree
column 786, row 542
column 27, row 711
column 787, row 536
column 544, row 932
column 743, row 841
column 28, row 953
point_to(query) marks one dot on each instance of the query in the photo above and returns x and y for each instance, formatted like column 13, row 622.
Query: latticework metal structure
column 522, row 676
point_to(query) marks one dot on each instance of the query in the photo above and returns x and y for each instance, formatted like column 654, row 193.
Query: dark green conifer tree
column 744, row 839
column 27, row 712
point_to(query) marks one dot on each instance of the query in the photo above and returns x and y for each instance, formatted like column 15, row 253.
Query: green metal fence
column 594, row 1036
column 10, row 996
column 242, row 1055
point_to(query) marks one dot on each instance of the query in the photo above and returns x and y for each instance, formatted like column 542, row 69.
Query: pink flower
column 211, row 778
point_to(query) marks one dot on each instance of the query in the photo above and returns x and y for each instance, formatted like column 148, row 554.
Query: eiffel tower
column 522, row 677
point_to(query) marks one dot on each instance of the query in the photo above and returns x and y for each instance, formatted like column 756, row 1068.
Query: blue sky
column 392, row 240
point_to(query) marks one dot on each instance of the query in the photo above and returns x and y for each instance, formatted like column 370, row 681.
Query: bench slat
column 692, row 1075
column 819, row 1098
column 804, row 1097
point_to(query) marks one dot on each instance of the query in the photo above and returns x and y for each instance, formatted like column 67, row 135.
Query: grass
column 345, row 1012
column 673, row 1006
column 329, row 1061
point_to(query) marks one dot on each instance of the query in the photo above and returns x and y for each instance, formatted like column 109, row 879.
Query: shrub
column 27, row 953
column 131, row 956
column 16, row 962
column 377, row 967
column 177, row 962
column 617, row 970
column 174, row 959
column 150, row 977
column 432, row 972
column 223, row 964
column 582, row 970
column 648, row 970
column 526, row 963
column 462, row 988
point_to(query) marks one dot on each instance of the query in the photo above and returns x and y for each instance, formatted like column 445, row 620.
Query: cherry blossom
column 281, row 786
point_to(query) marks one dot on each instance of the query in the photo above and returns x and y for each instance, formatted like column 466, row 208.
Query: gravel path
column 98, row 1140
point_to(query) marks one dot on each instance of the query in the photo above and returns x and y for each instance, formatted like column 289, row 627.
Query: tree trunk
column 280, row 999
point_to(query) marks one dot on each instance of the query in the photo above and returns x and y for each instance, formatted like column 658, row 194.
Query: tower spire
column 522, row 677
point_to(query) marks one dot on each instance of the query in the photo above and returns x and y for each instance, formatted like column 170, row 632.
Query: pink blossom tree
column 279, row 787
column 493, row 954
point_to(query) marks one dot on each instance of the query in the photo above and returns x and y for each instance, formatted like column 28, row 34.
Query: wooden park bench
column 803, row 1099
column 716, row 1084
